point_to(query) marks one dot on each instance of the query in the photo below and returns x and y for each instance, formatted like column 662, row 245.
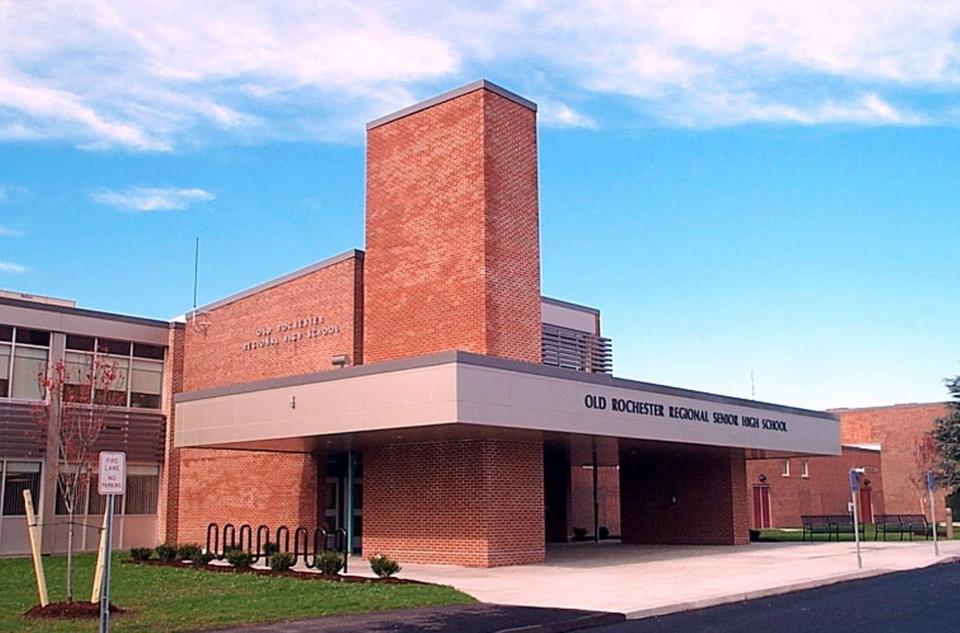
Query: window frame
column 14, row 344
column 126, row 370
column 805, row 469
column 785, row 468
column 4, row 470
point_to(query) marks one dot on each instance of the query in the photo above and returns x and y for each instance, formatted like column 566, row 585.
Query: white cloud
column 558, row 114
column 155, row 75
column 8, row 232
column 151, row 198
column 10, row 267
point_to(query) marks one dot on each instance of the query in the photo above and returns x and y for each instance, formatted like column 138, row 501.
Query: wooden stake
column 98, row 572
column 32, row 529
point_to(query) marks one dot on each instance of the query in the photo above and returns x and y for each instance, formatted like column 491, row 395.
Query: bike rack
column 216, row 539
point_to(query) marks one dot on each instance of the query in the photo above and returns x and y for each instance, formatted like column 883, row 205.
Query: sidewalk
column 642, row 581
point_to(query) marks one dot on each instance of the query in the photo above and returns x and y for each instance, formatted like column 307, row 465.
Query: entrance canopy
column 458, row 388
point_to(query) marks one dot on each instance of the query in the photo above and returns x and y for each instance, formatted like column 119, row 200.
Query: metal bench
column 890, row 524
column 816, row 524
column 843, row 524
column 915, row 524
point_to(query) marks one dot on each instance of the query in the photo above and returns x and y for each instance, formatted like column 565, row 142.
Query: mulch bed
column 302, row 575
column 70, row 610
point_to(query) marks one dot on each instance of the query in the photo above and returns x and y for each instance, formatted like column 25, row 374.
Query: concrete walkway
column 641, row 581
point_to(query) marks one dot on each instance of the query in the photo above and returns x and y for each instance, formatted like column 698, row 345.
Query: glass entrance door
column 343, row 490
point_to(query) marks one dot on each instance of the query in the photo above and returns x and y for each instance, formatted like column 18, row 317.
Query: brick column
column 452, row 232
column 475, row 502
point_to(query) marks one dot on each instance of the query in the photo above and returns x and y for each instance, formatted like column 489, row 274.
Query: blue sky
column 739, row 188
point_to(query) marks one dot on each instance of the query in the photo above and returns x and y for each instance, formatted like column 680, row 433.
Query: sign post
column 854, row 487
column 931, row 486
column 112, row 482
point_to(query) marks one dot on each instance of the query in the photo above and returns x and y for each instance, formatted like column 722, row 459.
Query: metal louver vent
column 573, row 349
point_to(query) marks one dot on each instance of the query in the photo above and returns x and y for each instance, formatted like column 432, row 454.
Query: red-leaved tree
column 75, row 403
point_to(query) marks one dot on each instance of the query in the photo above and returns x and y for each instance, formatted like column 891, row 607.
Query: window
column 139, row 381
column 146, row 383
column 786, row 468
column 143, row 484
column 83, row 489
column 805, row 469
column 24, row 354
column 5, row 352
column 96, row 502
column 20, row 476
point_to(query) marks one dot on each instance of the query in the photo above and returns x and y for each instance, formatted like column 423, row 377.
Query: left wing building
column 420, row 394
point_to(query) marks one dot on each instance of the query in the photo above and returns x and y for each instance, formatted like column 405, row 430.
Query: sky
column 743, row 188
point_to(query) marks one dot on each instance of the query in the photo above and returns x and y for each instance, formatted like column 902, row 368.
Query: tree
column 75, row 402
column 925, row 457
column 946, row 434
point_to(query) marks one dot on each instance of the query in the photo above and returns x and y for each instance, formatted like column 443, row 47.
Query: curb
column 583, row 622
column 774, row 591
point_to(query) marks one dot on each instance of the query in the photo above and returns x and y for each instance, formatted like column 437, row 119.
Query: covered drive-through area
column 480, row 461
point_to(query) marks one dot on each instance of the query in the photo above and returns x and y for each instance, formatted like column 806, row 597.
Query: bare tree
column 75, row 403
column 924, row 453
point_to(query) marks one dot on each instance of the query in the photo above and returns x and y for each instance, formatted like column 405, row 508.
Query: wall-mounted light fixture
column 763, row 478
column 340, row 360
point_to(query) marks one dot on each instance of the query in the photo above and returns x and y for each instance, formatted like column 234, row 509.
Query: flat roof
column 494, row 362
column 481, row 84
column 95, row 314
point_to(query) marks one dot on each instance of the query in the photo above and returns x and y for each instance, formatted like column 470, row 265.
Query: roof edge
column 276, row 281
column 490, row 362
column 480, row 84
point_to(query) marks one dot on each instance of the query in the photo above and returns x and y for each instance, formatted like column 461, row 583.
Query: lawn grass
column 172, row 599
column 786, row 536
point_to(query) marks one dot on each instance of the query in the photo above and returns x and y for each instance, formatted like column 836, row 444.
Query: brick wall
column 581, row 498
column 825, row 491
column 215, row 354
column 475, row 502
column 709, row 487
column 452, row 237
column 253, row 487
column 897, row 429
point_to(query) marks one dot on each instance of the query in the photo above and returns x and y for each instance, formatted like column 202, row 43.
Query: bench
column 916, row 524
column 844, row 525
column 833, row 525
column 816, row 524
column 890, row 524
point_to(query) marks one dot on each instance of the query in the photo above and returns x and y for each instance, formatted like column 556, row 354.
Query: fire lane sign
column 113, row 473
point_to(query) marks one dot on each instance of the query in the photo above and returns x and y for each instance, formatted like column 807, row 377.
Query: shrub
column 384, row 566
column 141, row 553
column 604, row 532
column 166, row 551
column 330, row 562
column 280, row 561
column 202, row 559
column 189, row 551
column 239, row 557
column 270, row 548
column 579, row 533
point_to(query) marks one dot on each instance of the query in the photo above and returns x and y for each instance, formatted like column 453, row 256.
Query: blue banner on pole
column 854, row 481
column 931, row 481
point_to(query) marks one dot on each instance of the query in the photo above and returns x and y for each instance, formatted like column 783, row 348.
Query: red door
column 761, row 507
column 866, row 505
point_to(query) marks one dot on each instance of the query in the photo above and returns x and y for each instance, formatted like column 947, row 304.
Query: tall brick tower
column 452, row 237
